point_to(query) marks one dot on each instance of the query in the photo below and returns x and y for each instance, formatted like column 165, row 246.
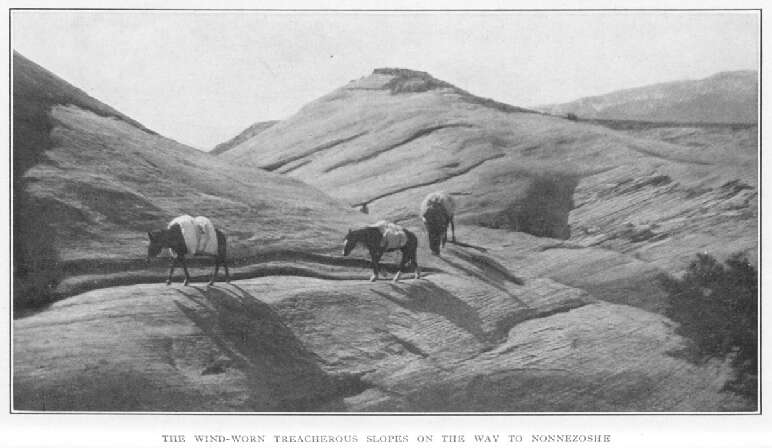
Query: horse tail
column 412, row 243
column 222, row 244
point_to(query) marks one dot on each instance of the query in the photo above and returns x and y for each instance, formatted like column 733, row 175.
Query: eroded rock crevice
column 542, row 210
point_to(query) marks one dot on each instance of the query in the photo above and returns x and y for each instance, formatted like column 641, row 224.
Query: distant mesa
column 726, row 97
column 245, row 135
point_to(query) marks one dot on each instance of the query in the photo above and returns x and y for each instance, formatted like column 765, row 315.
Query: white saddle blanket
column 394, row 236
column 199, row 234
column 439, row 199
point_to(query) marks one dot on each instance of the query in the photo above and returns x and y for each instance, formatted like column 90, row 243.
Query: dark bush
column 572, row 116
column 717, row 308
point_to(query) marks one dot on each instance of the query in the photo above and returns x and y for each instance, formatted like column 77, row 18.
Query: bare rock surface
column 443, row 343
column 95, row 182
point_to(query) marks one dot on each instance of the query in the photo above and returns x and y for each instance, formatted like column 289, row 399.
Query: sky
column 201, row 77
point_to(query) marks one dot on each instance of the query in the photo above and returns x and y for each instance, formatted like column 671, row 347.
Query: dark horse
column 372, row 239
column 172, row 238
column 437, row 211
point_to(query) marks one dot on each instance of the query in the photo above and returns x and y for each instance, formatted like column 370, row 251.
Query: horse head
column 436, row 225
column 156, row 243
column 348, row 243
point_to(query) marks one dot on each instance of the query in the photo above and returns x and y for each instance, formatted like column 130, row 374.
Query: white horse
column 437, row 211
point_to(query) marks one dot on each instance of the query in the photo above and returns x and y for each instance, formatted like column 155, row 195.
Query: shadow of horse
column 470, row 246
column 427, row 297
column 281, row 373
column 492, row 268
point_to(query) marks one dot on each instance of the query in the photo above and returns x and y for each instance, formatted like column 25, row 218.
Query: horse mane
column 155, row 234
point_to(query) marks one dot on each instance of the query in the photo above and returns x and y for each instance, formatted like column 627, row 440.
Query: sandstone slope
column 649, row 199
column 503, row 321
column 98, row 181
column 452, row 342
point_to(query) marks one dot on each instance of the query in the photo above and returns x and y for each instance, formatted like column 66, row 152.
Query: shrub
column 717, row 308
column 572, row 116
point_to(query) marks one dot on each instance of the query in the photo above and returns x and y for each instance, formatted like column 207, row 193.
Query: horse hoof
column 185, row 284
column 210, row 284
column 168, row 282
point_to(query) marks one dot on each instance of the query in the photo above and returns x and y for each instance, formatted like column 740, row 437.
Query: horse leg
column 402, row 264
column 413, row 257
column 453, row 228
column 381, row 272
column 222, row 255
column 216, row 268
column 445, row 236
column 376, row 267
column 171, row 271
column 185, row 268
column 415, row 263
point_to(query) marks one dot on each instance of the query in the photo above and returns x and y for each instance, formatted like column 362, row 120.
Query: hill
column 629, row 204
column 248, row 133
column 503, row 321
column 726, row 97
column 640, row 195
column 89, row 183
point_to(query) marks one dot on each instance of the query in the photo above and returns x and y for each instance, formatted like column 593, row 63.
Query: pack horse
column 383, row 237
column 188, row 236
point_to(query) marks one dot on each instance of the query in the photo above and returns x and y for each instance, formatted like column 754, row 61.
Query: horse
column 373, row 239
column 187, row 236
column 436, row 213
